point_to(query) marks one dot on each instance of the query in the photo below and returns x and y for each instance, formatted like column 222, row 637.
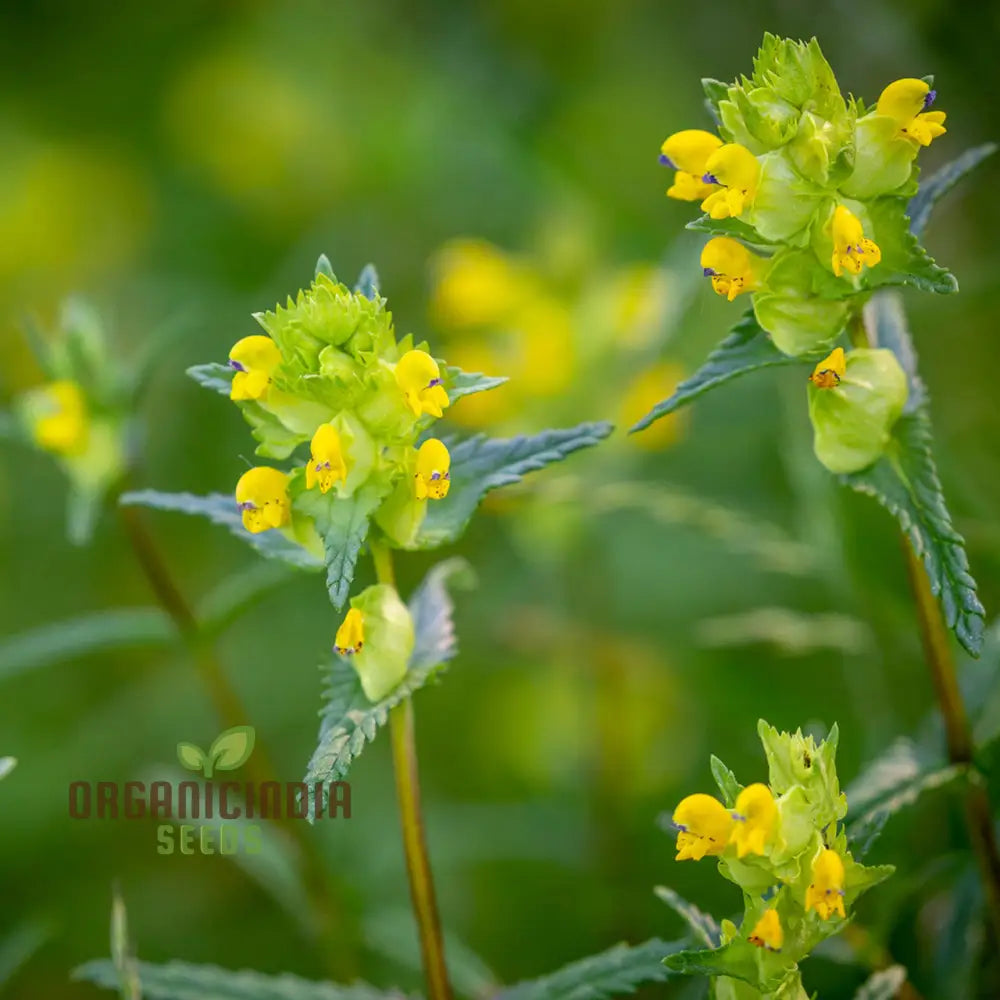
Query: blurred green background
column 638, row 608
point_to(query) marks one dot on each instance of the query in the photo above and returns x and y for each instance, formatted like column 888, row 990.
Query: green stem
column 231, row 712
column 418, row 865
column 958, row 734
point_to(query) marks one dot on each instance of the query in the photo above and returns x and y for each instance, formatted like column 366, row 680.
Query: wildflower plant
column 784, row 845
column 345, row 416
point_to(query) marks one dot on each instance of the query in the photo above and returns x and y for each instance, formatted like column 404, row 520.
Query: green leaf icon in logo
column 229, row 750
column 191, row 756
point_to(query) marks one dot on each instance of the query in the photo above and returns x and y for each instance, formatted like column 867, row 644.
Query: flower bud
column 379, row 628
column 853, row 419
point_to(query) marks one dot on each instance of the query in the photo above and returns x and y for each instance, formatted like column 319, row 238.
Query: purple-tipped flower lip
column 709, row 272
column 238, row 366
column 929, row 98
column 709, row 179
column 247, row 505
column 680, row 827
column 738, row 817
column 667, row 162
column 435, row 381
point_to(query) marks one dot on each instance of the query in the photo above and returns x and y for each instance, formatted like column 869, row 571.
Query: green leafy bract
column 349, row 720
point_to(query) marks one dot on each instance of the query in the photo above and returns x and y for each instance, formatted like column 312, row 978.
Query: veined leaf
column 480, row 464
column 459, row 383
column 905, row 481
column 349, row 720
column 701, row 924
column 92, row 633
column 904, row 260
column 214, row 376
column 939, row 184
column 182, row 981
column 882, row 985
column 726, row 781
column 613, row 973
column 220, row 508
column 733, row 228
column 747, row 348
column 343, row 525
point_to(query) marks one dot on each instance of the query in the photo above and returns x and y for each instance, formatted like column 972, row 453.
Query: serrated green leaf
column 904, row 260
column 480, row 464
column 737, row 959
column 882, row 985
column 905, row 482
column 367, row 283
column 220, row 508
column 343, row 523
column 729, row 787
column 619, row 971
column 183, row 981
column 214, row 376
column 701, row 924
column 940, row 183
column 459, row 383
column 349, row 720
column 746, row 349
column 87, row 634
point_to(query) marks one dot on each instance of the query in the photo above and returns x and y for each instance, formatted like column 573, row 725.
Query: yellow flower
column 906, row 102
column 327, row 464
column 419, row 377
column 254, row 359
column 687, row 152
column 756, row 816
column 736, row 169
column 826, row 894
column 851, row 250
column 262, row 496
column 828, row 373
column 704, row 826
column 351, row 634
column 432, row 478
column 730, row 266
column 58, row 416
column 767, row 932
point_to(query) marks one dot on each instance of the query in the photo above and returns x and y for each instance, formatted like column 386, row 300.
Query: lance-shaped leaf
column 367, row 283
column 939, row 184
column 480, row 464
column 905, row 481
column 702, row 925
column 729, row 787
column 613, row 973
column 220, row 508
column 214, row 376
column 349, row 720
column 183, row 981
column 747, row 348
column 342, row 523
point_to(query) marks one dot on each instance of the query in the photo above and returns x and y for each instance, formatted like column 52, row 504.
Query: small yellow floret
column 851, row 250
column 327, row 464
column 254, row 359
column 704, row 826
column 828, row 373
column 432, row 479
column 419, row 377
column 736, row 170
column 767, row 932
column 262, row 497
column 826, row 893
column 351, row 634
column 730, row 266
column 756, row 816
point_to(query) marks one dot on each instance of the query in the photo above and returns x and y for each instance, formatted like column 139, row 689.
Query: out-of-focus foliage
column 182, row 164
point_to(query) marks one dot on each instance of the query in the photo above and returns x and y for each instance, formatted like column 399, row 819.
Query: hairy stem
column 418, row 864
column 958, row 734
column 231, row 712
